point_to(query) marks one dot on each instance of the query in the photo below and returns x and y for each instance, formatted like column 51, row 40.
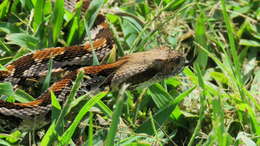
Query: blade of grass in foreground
column 66, row 105
column 92, row 13
column 218, row 122
column 163, row 114
column 38, row 14
column 202, row 104
column 56, row 107
column 159, row 95
column 58, row 122
column 6, row 89
column 200, row 36
column 46, row 82
column 69, row 132
column 4, row 7
column 89, row 20
column 116, row 116
column 90, row 130
column 57, row 19
column 51, row 134
column 236, row 70
column 105, row 108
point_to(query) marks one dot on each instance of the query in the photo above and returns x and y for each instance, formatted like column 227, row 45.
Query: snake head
column 144, row 68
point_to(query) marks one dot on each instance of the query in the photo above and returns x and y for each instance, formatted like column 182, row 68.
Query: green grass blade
column 49, row 136
column 73, row 30
column 159, row 95
column 51, row 133
column 161, row 116
column 153, row 124
column 93, row 12
column 6, row 89
column 47, row 80
column 218, row 121
column 105, row 108
column 57, row 19
column 116, row 116
column 236, row 70
column 23, row 40
column 59, row 119
column 230, row 35
column 90, row 129
column 202, row 105
column 200, row 37
column 69, row 132
column 89, row 20
column 69, row 99
column 56, row 107
column 38, row 14
column 22, row 96
column 4, row 7
column 5, row 47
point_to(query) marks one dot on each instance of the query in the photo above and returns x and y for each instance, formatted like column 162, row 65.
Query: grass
column 216, row 101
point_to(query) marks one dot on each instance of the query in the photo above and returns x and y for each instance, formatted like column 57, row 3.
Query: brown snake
column 134, row 69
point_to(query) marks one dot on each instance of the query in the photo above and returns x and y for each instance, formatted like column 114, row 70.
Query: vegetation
column 215, row 101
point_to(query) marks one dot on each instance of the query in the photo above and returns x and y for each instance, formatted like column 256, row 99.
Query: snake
column 135, row 69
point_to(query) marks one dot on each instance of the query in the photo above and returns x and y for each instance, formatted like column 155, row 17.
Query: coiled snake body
column 134, row 69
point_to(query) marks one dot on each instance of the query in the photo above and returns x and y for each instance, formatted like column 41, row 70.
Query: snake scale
column 134, row 69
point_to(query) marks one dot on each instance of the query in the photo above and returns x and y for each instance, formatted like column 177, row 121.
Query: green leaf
column 22, row 96
column 23, row 40
column 38, row 14
column 250, row 43
column 200, row 35
column 57, row 19
column 19, row 95
column 8, row 28
column 14, row 137
column 4, row 7
column 218, row 121
column 256, row 84
column 69, row 132
column 89, row 20
column 130, row 31
column 6, row 89
column 21, row 52
column 203, row 96
column 90, row 130
column 162, row 115
column 56, row 107
column 116, row 116
column 131, row 140
column 159, row 95
column 47, row 80
column 69, row 99
column 5, row 48
column 173, row 5
column 73, row 30
column 105, row 108
column 138, row 144
column 92, row 13
column 219, row 77
column 4, row 143
column 50, row 135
